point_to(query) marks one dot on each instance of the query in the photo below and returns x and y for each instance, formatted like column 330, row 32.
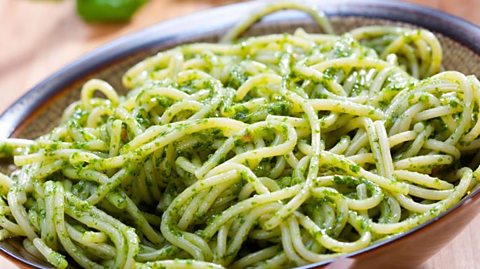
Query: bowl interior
column 456, row 57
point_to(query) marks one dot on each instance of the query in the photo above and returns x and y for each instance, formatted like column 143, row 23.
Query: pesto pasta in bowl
column 298, row 142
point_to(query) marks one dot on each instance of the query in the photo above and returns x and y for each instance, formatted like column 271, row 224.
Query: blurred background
column 37, row 37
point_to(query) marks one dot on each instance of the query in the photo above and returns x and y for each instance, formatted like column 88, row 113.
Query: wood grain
column 39, row 37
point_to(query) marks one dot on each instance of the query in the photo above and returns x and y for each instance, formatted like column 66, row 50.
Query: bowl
column 38, row 111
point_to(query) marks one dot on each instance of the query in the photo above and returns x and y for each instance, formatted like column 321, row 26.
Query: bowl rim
column 221, row 18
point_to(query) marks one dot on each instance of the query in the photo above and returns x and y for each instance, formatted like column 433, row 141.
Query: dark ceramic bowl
column 38, row 111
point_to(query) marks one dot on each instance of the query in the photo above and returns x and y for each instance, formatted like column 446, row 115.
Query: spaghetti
column 269, row 152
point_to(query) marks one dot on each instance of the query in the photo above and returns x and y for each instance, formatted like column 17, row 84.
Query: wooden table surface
column 39, row 37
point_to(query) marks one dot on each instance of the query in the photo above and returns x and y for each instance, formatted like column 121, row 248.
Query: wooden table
column 38, row 37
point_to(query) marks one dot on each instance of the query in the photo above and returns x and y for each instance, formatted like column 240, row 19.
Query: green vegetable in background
column 107, row 10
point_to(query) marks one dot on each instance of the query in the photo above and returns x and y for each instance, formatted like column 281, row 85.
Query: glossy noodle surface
column 266, row 152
